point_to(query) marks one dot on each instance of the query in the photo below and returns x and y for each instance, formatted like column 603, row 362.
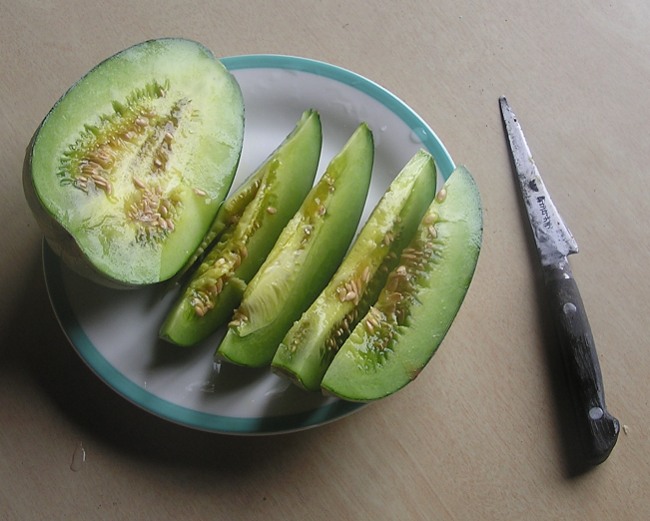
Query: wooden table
column 482, row 433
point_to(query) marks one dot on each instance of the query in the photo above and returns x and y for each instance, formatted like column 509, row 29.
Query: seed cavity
column 239, row 318
column 373, row 320
column 392, row 308
column 203, row 298
column 340, row 332
column 125, row 155
column 329, row 180
column 400, row 274
column 227, row 256
column 216, row 272
column 307, row 230
column 152, row 213
column 350, row 291
column 134, row 139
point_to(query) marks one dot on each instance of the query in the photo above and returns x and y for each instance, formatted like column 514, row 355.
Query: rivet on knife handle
column 598, row 430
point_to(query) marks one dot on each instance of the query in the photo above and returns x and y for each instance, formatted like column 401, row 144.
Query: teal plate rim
column 425, row 134
column 185, row 416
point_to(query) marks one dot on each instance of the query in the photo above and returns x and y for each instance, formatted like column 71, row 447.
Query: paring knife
column 598, row 430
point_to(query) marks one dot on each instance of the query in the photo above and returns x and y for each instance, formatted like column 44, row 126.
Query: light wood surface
column 481, row 434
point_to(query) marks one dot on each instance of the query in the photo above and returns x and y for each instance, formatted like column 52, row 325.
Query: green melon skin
column 305, row 257
column 247, row 228
column 403, row 330
column 309, row 346
column 127, row 171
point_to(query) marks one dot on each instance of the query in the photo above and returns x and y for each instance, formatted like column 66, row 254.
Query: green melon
column 310, row 345
column 400, row 333
column 127, row 171
column 247, row 228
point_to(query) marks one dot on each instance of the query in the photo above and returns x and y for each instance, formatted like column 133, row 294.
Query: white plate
column 116, row 332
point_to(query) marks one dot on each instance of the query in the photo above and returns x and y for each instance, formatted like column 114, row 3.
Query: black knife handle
column 598, row 430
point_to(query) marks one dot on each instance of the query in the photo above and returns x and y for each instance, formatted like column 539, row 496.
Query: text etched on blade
column 546, row 219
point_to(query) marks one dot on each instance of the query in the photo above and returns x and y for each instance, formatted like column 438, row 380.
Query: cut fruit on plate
column 304, row 258
column 403, row 329
column 127, row 171
column 250, row 222
column 116, row 332
column 313, row 340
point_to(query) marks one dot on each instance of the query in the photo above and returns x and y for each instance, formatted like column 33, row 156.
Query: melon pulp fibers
column 304, row 258
column 311, row 343
column 127, row 171
column 403, row 329
column 250, row 222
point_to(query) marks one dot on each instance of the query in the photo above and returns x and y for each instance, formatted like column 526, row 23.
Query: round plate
column 116, row 332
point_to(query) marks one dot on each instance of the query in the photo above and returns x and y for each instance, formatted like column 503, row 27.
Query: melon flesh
column 401, row 332
column 129, row 168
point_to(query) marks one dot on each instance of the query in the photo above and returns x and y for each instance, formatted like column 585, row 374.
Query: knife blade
column 597, row 429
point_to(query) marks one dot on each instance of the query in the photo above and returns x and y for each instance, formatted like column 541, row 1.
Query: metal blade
column 553, row 238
